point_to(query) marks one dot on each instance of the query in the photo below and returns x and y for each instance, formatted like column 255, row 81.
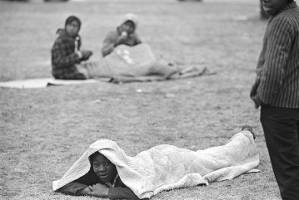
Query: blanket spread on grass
column 137, row 63
column 46, row 82
column 166, row 167
column 129, row 61
column 124, row 65
column 42, row 83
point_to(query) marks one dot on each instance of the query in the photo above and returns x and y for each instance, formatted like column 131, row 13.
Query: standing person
column 66, row 54
column 276, row 90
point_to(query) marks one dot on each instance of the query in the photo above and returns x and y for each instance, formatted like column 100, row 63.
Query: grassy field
column 43, row 131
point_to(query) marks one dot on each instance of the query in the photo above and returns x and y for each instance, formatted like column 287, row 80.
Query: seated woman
column 66, row 55
column 125, row 34
column 105, row 170
column 102, row 180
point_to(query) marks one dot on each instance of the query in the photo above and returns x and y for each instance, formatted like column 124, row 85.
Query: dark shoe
column 250, row 129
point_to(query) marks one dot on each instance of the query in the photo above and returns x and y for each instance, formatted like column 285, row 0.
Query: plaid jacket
column 63, row 56
column 277, row 82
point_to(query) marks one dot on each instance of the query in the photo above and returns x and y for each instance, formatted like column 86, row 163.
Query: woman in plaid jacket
column 66, row 55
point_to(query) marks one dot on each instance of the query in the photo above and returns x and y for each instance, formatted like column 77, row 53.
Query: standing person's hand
column 257, row 102
column 253, row 91
column 100, row 190
column 253, row 94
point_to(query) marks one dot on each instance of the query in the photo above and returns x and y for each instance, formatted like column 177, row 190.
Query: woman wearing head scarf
column 124, row 34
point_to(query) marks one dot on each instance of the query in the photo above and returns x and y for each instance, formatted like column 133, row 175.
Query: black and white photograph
column 149, row 99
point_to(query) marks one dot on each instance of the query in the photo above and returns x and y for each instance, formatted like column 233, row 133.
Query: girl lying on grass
column 105, row 170
column 101, row 180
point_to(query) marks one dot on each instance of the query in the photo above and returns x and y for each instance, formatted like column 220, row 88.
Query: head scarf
column 130, row 17
column 72, row 18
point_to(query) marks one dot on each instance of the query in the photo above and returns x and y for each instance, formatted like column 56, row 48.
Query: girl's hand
column 86, row 191
column 123, row 36
column 99, row 190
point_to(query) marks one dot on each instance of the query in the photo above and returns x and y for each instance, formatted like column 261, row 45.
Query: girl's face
column 73, row 28
column 103, row 168
column 273, row 6
column 128, row 27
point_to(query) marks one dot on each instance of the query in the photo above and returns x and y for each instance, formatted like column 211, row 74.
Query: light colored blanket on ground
column 138, row 64
column 42, row 83
column 166, row 167
column 46, row 82
column 130, row 61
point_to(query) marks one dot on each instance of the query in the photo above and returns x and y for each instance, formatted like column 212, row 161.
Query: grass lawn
column 43, row 131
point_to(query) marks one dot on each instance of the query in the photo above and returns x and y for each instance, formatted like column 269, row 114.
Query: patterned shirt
column 278, row 65
column 63, row 53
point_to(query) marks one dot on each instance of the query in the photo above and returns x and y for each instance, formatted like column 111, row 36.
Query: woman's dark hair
column 131, row 23
column 72, row 18
column 92, row 156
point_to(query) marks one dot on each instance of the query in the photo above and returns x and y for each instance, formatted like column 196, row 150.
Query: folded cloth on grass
column 125, row 64
column 46, row 82
column 130, row 61
column 42, row 83
column 166, row 167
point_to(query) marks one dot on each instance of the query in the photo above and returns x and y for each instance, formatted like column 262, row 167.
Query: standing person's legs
column 281, row 130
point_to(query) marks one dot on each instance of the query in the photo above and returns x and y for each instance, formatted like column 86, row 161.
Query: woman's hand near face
column 99, row 190
column 123, row 36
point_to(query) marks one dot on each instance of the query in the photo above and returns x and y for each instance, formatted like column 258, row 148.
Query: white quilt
column 166, row 167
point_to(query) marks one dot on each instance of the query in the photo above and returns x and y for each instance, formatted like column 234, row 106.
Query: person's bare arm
column 73, row 188
column 99, row 190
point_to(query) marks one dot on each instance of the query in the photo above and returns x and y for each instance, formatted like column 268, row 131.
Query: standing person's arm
column 259, row 67
column 253, row 91
column 279, row 44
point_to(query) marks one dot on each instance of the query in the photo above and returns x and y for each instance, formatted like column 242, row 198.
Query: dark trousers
column 281, row 130
column 70, row 73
